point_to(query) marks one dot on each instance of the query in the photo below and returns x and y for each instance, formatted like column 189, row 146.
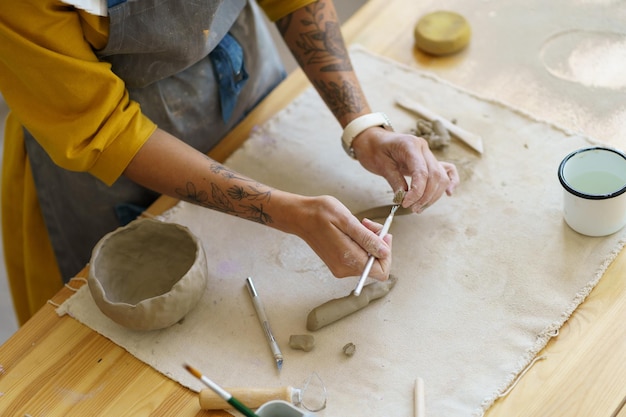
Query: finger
column 382, row 266
column 396, row 180
column 372, row 225
column 425, row 172
column 436, row 185
column 371, row 242
column 387, row 238
column 453, row 176
column 376, row 228
column 419, row 182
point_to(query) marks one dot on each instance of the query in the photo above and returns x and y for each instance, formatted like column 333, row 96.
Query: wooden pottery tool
column 222, row 393
column 472, row 140
column 420, row 404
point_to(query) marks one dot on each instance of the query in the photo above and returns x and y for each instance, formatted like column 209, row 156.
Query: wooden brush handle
column 251, row 397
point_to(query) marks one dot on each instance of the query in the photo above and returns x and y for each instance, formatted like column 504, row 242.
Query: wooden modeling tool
column 223, row 394
column 420, row 406
column 472, row 140
column 397, row 200
column 252, row 397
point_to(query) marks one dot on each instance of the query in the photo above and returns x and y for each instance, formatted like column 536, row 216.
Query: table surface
column 55, row 366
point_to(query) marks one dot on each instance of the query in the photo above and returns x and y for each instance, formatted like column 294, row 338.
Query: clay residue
column 349, row 349
column 434, row 132
column 399, row 197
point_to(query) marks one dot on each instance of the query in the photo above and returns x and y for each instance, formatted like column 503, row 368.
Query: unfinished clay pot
column 147, row 275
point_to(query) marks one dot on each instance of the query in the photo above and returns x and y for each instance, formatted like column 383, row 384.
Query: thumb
column 397, row 182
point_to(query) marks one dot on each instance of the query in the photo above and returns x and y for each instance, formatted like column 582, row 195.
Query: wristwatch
column 358, row 125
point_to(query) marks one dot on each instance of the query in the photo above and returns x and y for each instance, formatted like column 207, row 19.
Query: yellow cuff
column 277, row 9
column 112, row 162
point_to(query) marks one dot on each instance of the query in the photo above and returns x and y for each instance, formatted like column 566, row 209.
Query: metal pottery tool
column 265, row 324
column 397, row 200
column 472, row 140
column 226, row 396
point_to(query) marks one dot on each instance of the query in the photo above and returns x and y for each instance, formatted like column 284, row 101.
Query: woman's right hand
column 335, row 234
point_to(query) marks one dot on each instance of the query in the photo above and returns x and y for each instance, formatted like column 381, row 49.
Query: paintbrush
column 397, row 200
column 238, row 405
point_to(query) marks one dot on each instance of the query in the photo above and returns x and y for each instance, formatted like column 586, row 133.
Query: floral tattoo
column 237, row 199
column 320, row 43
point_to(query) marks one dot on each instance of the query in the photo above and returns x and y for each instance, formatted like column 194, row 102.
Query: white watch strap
column 358, row 125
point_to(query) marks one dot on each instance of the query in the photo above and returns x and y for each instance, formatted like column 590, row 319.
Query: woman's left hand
column 395, row 156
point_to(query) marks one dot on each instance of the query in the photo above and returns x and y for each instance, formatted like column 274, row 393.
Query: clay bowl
column 147, row 275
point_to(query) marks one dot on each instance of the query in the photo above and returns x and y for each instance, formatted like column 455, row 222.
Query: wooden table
column 57, row 367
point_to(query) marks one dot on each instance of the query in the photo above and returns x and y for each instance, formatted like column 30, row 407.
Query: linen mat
column 485, row 277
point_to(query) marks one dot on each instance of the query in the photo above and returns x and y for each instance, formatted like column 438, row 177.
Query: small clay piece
column 424, row 127
column 399, row 196
column 338, row 308
column 349, row 349
column 441, row 133
column 434, row 132
column 304, row 342
column 148, row 274
column 442, row 33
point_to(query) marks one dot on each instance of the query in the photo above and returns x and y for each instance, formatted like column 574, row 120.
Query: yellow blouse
column 47, row 73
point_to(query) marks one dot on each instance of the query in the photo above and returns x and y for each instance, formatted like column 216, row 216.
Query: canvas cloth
column 485, row 277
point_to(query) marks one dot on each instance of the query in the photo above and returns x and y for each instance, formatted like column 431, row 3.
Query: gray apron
column 162, row 50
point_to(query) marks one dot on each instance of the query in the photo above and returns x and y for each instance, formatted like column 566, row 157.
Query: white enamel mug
column 594, row 183
column 280, row 408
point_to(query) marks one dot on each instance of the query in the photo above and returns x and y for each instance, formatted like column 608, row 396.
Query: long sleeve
column 78, row 110
column 73, row 104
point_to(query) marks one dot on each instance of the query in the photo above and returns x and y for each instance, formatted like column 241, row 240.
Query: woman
column 116, row 104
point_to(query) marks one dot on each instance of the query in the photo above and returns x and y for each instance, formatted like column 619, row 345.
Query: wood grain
column 55, row 366
column 584, row 373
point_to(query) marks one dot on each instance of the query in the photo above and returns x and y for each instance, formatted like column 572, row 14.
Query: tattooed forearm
column 239, row 193
column 256, row 213
column 231, row 202
column 314, row 36
column 319, row 42
column 341, row 99
column 192, row 195
column 220, row 200
column 225, row 172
